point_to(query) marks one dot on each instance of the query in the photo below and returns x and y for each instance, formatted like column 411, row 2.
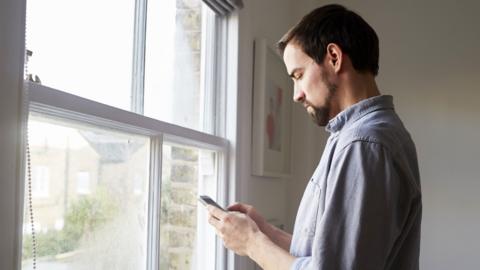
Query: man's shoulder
column 382, row 127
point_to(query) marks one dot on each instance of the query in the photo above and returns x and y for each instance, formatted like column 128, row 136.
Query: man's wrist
column 256, row 241
column 267, row 229
column 267, row 254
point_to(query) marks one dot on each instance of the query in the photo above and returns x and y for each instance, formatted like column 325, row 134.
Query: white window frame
column 50, row 102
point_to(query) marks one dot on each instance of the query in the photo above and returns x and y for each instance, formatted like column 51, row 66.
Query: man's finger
column 238, row 207
column 215, row 222
column 216, row 225
column 216, row 212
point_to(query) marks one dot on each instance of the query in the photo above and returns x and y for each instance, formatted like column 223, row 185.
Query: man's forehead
column 294, row 57
column 292, row 50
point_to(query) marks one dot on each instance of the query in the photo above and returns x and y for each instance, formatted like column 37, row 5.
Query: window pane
column 186, row 239
column 83, row 47
column 173, row 54
column 90, row 193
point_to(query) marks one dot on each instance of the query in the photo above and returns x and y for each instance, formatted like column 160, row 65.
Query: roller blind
column 224, row 7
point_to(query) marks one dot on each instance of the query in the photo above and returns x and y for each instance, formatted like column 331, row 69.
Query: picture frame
column 272, row 109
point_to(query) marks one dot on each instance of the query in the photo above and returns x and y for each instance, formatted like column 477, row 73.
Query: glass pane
column 186, row 239
column 83, row 47
column 173, row 54
column 90, row 194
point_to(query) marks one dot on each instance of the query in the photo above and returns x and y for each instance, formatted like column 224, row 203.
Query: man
column 362, row 207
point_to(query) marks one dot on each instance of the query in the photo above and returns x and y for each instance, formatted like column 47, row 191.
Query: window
column 82, row 221
column 123, row 135
column 154, row 70
column 187, row 172
column 173, row 92
column 78, row 50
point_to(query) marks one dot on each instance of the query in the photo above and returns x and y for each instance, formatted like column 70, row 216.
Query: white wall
column 11, row 67
column 429, row 57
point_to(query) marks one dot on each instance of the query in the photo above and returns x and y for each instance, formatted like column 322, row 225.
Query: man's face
column 312, row 85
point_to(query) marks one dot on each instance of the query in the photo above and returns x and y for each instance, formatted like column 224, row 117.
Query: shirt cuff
column 300, row 263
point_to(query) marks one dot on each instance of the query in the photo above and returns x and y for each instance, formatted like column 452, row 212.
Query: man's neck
column 356, row 87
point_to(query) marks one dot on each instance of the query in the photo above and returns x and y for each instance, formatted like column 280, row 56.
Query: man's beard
column 321, row 115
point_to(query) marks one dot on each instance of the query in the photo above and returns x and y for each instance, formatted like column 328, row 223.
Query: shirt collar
column 358, row 110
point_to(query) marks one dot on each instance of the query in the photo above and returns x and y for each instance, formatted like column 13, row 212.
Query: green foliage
column 50, row 243
column 83, row 217
column 87, row 214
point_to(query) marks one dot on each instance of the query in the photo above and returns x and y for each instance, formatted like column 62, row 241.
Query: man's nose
column 298, row 95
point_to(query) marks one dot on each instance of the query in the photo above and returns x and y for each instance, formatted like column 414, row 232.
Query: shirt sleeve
column 366, row 206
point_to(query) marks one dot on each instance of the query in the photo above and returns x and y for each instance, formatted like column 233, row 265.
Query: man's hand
column 253, row 214
column 236, row 229
column 241, row 234
column 279, row 237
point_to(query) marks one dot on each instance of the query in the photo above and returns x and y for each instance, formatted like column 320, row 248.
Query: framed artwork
column 272, row 107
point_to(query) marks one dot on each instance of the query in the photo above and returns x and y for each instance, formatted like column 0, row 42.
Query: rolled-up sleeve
column 366, row 208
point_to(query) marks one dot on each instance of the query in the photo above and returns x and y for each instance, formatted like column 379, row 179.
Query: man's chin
column 319, row 122
column 319, row 116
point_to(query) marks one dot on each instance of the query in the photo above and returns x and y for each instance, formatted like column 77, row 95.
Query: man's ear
column 334, row 57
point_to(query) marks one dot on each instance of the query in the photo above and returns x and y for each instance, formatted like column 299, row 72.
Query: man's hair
column 335, row 24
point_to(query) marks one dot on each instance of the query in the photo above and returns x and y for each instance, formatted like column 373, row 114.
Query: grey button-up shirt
column 362, row 207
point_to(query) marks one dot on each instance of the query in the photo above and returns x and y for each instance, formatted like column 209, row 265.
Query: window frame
column 54, row 103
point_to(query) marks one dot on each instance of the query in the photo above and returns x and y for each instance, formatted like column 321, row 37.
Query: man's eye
column 298, row 76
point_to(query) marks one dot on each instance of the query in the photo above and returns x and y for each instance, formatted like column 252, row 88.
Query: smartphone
column 206, row 200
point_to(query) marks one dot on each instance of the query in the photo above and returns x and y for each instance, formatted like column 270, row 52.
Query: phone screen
column 206, row 200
